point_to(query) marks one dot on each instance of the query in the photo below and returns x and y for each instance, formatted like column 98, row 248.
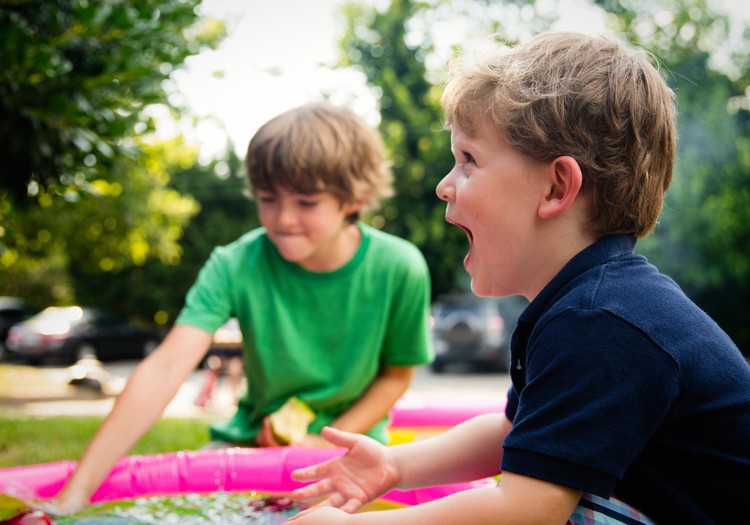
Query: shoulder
column 254, row 239
column 389, row 255
column 391, row 246
column 241, row 254
column 632, row 294
column 251, row 243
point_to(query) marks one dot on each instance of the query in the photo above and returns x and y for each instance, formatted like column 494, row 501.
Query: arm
column 377, row 400
column 151, row 387
column 469, row 451
column 517, row 500
column 370, row 408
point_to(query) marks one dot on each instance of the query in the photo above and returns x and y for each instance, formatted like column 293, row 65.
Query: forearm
column 149, row 390
column 377, row 400
column 136, row 409
column 488, row 506
column 471, row 450
column 470, row 507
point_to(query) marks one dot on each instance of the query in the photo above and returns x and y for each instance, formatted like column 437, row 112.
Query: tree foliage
column 85, row 196
column 75, row 78
column 119, row 223
column 155, row 290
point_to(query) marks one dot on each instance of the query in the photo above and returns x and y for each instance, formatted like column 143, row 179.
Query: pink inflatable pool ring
column 419, row 416
column 420, row 410
column 239, row 469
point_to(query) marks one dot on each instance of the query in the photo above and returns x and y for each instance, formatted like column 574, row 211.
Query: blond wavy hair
column 320, row 147
column 591, row 98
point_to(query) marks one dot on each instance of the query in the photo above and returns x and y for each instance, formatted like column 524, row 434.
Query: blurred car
column 12, row 310
column 70, row 333
column 474, row 331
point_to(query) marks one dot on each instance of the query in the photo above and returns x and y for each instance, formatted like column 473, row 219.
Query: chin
column 478, row 290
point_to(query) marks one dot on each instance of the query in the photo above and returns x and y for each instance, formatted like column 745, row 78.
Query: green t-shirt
column 319, row 336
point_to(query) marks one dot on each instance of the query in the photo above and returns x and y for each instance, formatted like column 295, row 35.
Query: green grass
column 29, row 440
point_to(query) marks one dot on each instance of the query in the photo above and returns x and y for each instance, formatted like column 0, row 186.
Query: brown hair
column 320, row 147
column 591, row 98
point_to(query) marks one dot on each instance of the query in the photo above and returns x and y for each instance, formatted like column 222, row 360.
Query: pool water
column 220, row 508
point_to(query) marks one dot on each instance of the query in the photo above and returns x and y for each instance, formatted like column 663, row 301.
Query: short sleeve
column 408, row 341
column 596, row 390
column 208, row 302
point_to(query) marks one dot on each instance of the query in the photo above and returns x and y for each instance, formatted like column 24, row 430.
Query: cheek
column 265, row 214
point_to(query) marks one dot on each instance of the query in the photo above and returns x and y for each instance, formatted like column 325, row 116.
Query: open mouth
column 469, row 235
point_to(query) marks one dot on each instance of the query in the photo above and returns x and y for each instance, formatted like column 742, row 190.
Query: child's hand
column 364, row 473
column 265, row 437
column 320, row 515
column 64, row 504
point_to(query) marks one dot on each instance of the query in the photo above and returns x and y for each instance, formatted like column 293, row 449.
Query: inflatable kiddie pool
column 230, row 470
column 417, row 416
column 265, row 470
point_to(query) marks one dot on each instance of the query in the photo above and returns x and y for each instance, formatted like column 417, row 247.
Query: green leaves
column 84, row 190
column 75, row 76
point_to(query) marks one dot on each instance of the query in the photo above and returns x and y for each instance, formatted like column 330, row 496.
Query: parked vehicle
column 71, row 333
column 12, row 310
column 474, row 331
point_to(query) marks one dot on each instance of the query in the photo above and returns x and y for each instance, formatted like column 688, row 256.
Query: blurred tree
column 75, row 79
column 84, row 191
column 113, row 225
column 156, row 289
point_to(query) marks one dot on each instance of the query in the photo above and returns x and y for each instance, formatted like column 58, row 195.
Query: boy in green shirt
column 332, row 312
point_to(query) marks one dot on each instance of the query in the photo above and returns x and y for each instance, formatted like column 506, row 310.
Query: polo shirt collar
column 603, row 250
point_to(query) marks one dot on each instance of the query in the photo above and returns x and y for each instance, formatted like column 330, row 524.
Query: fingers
column 335, row 499
column 315, row 490
column 340, row 438
column 338, row 500
column 61, row 505
column 351, row 506
column 312, row 472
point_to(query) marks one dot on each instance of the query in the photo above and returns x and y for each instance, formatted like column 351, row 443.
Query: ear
column 351, row 208
column 563, row 186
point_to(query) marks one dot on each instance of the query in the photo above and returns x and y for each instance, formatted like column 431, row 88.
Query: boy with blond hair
column 628, row 403
column 332, row 312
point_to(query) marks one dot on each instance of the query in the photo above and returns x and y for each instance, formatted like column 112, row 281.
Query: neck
column 339, row 251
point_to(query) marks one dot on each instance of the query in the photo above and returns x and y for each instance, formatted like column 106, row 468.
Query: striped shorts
column 593, row 510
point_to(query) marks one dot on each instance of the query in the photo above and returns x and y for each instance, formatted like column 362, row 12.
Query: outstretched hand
column 367, row 471
column 63, row 504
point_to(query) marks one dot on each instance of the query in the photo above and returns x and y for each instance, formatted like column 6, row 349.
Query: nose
column 445, row 189
column 285, row 214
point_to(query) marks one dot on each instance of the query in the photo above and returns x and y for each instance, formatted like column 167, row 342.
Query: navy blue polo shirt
column 623, row 386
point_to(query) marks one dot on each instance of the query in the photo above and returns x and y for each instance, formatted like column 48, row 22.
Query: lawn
column 29, row 440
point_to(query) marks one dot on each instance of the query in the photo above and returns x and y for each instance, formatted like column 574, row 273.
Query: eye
column 308, row 203
column 468, row 157
column 266, row 198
